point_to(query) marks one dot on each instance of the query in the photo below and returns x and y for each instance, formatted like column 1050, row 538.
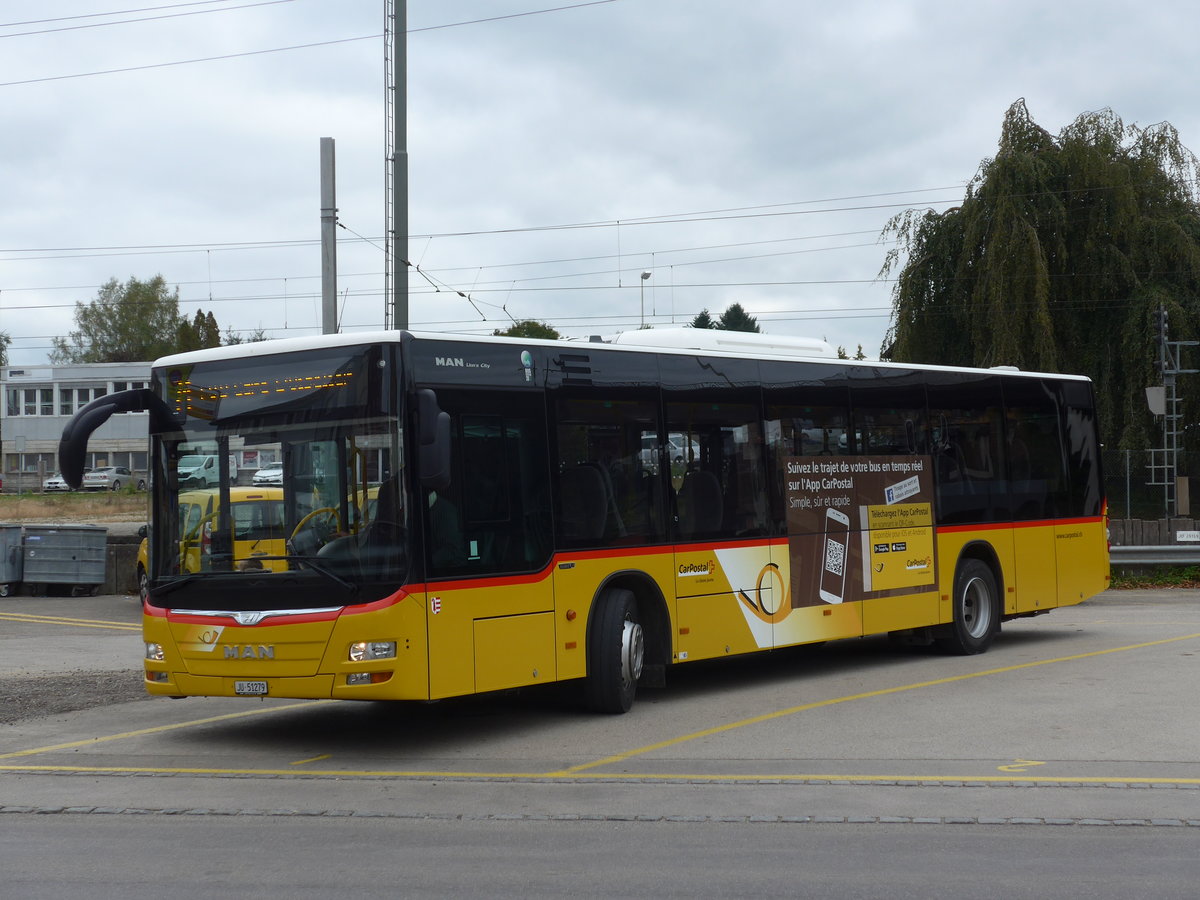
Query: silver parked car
column 110, row 478
column 271, row 473
column 55, row 483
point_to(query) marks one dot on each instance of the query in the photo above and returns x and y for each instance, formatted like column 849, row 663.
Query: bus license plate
column 251, row 688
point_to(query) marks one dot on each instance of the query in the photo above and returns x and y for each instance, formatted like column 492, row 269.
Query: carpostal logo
column 915, row 564
column 693, row 570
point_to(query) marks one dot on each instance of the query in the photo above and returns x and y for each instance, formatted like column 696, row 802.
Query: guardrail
column 1155, row 555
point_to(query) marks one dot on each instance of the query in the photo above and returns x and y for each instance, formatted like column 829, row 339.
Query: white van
column 203, row 470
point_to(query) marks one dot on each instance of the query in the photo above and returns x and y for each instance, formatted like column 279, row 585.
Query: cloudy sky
column 736, row 150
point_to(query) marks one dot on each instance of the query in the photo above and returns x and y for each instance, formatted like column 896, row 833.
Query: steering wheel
column 320, row 531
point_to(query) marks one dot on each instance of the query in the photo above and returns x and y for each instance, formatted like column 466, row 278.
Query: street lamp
column 642, row 287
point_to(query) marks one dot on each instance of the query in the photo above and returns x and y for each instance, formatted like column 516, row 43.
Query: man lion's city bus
column 463, row 515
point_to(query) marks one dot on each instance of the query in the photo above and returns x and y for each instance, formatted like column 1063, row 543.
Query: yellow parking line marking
column 312, row 759
column 707, row 777
column 1019, row 765
column 66, row 620
column 866, row 695
column 160, row 729
column 581, row 772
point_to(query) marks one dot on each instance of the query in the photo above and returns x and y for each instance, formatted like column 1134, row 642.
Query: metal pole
column 400, row 171
column 1128, row 482
column 328, row 239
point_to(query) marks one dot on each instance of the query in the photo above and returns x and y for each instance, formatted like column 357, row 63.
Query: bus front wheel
column 616, row 650
column 976, row 610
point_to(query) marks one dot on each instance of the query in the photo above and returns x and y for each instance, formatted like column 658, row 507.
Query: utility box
column 10, row 559
column 74, row 555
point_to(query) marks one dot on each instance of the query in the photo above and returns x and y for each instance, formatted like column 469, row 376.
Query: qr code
column 835, row 555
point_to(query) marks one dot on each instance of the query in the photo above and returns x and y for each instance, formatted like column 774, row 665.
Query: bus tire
column 616, row 651
column 976, row 610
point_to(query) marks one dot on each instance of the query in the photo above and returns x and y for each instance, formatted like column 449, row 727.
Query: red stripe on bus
column 1032, row 523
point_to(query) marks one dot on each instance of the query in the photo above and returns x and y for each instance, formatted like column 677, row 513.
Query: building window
column 34, row 401
column 71, row 400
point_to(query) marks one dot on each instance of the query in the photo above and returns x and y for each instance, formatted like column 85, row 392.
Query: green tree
column 199, row 334
column 1058, row 259
column 232, row 337
column 5, row 341
column 130, row 322
column 529, row 328
column 737, row 319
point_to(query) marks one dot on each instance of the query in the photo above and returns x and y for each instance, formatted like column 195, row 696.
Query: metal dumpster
column 74, row 555
column 10, row 559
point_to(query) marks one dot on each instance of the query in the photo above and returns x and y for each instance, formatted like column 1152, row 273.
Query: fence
column 1132, row 493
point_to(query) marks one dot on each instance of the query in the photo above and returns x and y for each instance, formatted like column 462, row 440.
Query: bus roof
column 745, row 345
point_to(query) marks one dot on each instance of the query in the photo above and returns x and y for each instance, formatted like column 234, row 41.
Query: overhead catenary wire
column 291, row 47
column 509, row 286
column 112, row 12
column 681, row 218
column 194, row 12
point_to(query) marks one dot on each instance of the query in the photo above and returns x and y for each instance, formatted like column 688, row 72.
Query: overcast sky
column 737, row 150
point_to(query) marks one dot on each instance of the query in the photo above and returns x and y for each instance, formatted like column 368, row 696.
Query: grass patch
column 1164, row 577
column 77, row 506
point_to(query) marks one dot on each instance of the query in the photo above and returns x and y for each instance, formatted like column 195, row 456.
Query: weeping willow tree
column 1057, row 260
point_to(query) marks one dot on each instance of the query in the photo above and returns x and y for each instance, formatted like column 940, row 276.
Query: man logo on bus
column 455, row 362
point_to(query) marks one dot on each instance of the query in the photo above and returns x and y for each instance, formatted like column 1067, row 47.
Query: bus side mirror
column 433, row 442
column 72, row 447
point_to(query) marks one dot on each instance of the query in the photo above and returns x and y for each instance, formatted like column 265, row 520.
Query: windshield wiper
column 324, row 572
column 170, row 587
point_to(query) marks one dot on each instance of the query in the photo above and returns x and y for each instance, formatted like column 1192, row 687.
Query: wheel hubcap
column 977, row 608
column 632, row 652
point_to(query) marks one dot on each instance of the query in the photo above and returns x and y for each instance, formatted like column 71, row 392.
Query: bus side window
column 609, row 472
column 968, row 450
column 1037, row 462
column 724, row 492
column 967, row 465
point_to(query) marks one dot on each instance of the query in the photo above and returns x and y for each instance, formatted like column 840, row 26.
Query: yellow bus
column 465, row 515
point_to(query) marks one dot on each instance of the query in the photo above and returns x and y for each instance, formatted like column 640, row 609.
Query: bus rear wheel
column 616, row 651
column 976, row 610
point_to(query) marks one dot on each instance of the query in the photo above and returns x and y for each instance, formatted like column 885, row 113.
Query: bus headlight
column 365, row 651
column 155, row 652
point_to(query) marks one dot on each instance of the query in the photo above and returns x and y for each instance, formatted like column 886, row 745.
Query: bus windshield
column 280, row 486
